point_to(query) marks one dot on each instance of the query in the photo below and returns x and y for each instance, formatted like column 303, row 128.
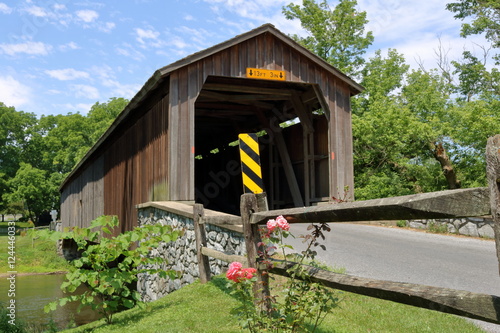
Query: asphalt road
column 410, row 256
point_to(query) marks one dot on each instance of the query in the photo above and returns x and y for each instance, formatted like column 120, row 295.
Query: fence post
column 250, row 204
column 493, row 175
column 201, row 241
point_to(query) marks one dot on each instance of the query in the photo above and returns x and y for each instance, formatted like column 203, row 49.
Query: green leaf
column 50, row 307
column 128, row 303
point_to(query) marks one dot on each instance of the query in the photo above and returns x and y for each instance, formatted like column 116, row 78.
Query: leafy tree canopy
column 337, row 35
column 485, row 15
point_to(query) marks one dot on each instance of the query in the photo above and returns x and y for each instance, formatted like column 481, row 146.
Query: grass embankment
column 32, row 255
column 206, row 308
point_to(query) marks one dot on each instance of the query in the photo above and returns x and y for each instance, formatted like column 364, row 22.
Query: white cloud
column 59, row 6
column 107, row 77
column 82, row 108
column 69, row 46
column 4, row 9
column 36, row 11
column 31, row 48
column 129, row 51
column 87, row 15
column 189, row 18
column 13, row 92
column 85, row 91
column 144, row 35
column 178, row 42
column 107, row 27
column 67, row 74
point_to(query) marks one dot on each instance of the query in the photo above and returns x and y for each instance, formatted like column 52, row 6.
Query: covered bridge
column 175, row 140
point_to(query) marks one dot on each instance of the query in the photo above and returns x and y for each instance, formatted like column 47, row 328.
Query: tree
column 485, row 16
column 102, row 115
column 13, row 140
column 337, row 35
column 31, row 186
column 474, row 80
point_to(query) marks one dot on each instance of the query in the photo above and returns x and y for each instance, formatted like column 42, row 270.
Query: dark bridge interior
column 228, row 106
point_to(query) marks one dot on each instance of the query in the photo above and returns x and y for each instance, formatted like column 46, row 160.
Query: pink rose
column 249, row 272
column 237, row 274
column 271, row 225
column 282, row 223
column 233, row 271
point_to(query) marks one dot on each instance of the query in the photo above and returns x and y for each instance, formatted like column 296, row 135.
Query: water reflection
column 33, row 292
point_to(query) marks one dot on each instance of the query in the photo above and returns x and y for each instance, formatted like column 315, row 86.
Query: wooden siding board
column 173, row 136
column 252, row 54
column 243, row 58
column 286, row 61
column 295, row 67
column 269, row 51
column 183, row 153
column 332, row 133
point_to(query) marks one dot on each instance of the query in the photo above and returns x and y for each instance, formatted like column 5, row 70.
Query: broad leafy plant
column 299, row 305
column 109, row 266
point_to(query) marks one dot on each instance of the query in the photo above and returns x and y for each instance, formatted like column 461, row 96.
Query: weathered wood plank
column 493, row 175
column 201, row 242
column 442, row 204
column 288, row 168
column 463, row 303
column 249, row 204
column 223, row 256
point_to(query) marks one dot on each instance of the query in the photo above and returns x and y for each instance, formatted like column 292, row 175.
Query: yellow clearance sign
column 265, row 74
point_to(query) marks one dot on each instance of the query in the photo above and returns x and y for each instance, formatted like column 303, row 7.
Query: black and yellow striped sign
column 250, row 164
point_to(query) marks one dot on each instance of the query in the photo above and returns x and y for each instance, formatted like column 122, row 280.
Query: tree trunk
column 448, row 170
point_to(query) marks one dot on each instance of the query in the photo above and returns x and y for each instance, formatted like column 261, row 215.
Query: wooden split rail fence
column 443, row 204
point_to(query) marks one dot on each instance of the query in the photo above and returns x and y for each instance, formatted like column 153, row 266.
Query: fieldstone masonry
column 181, row 254
column 469, row 226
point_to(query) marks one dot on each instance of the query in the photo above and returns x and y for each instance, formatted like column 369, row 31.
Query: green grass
column 42, row 258
column 206, row 308
column 18, row 224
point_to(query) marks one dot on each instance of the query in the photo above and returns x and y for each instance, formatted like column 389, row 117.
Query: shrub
column 109, row 266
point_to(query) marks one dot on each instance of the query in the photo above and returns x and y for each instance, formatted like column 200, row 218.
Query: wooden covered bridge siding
column 130, row 168
column 203, row 102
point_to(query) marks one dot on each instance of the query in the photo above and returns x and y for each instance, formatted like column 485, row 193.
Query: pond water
column 33, row 292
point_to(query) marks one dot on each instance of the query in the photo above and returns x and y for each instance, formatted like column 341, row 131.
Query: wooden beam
column 247, row 89
column 493, row 174
column 279, row 142
column 201, row 242
column 442, row 204
column 223, row 256
column 304, row 115
column 322, row 101
column 288, row 169
column 307, row 181
column 249, row 204
column 243, row 97
column 463, row 303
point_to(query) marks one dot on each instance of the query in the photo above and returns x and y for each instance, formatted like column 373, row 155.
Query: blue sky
column 61, row 56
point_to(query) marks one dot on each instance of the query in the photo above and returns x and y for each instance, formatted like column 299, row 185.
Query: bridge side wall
column 181, row 254
column 468, row 226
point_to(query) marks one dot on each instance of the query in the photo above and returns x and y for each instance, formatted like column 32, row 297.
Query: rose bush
column 300, row 305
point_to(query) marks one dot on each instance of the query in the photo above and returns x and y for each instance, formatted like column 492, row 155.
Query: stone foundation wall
column 181, row 254
column 470, row 226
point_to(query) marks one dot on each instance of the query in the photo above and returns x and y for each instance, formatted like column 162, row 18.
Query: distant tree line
column 37, row 153
column 415, row 130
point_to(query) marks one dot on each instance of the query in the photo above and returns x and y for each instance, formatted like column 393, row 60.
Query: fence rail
column 443, row 204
